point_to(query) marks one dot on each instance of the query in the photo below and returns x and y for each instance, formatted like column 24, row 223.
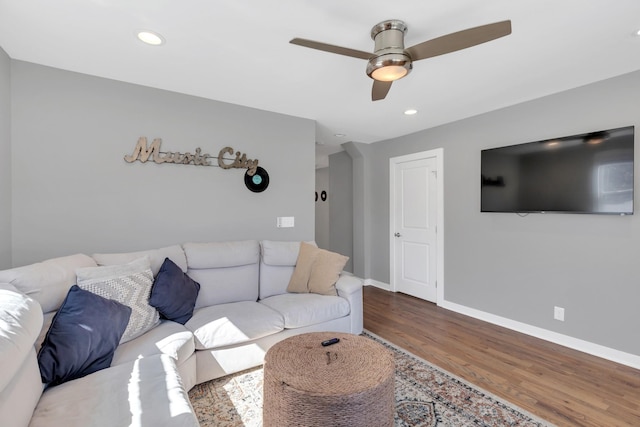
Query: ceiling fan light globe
column 389, row 68
column 389, row 73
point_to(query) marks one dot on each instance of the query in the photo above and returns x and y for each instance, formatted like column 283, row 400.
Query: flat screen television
column 587, row 173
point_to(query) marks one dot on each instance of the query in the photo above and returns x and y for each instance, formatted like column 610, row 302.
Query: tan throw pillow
column 299, row 282
column 325, row 272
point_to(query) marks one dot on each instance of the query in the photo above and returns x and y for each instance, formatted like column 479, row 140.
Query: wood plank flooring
column 558, row 384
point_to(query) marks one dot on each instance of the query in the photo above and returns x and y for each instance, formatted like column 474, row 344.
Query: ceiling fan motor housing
column 390, row 61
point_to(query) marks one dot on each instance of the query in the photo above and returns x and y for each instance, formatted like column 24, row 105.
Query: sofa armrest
column 350, row 288
column 347, row 285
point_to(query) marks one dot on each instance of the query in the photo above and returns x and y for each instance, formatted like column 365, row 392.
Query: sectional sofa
column 240, row 301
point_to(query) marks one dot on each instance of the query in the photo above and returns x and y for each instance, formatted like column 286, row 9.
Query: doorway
column 417, row 225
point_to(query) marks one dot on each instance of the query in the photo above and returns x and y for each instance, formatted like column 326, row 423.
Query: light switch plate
column 285, row 221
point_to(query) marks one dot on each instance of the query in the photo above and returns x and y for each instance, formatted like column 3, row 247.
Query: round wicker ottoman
column 348, row 384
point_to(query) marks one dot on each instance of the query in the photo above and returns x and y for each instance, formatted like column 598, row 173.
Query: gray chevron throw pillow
column 129, row 284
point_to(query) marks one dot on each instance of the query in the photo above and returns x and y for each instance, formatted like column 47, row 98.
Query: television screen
column 587, row 173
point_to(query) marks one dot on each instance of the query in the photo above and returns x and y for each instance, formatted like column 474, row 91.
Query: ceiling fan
column 390, row 60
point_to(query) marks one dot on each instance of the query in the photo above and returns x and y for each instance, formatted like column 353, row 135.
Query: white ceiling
column 238, row 51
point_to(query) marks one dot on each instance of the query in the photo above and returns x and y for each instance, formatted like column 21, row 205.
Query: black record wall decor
column 258, row 182
column 323, row 196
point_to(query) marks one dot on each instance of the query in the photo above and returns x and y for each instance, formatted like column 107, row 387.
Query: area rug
column 426, row 396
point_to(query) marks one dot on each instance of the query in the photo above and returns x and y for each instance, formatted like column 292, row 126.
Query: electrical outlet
column 558, row 313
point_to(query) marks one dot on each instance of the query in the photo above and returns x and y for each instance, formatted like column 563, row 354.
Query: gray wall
column 5, row 160
column 362, row 230
column 334, row 217
column 322, row 208
column 73, row 192
column 341, row 206
column 521, row 267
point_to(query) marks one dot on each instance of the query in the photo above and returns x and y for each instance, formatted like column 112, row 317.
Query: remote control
column 330, row 342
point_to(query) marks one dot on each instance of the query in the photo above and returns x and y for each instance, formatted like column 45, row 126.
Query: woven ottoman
column 348, row 384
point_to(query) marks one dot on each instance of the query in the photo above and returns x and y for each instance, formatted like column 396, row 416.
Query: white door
column 414, row 226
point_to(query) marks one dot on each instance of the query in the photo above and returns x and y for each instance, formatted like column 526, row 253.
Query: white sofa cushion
column 19, row 398
column 227, row 271
column 20, row 384
column 221, row 254
column 168, row 337
column 234, row 323
column 156, row 257
column 276, row 265
column 300, row 310
column 49, row 281
column 145, row 392
column 20, row 323
column 280, row 252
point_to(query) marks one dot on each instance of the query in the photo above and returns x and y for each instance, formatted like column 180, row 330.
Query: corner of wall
column 5, row 161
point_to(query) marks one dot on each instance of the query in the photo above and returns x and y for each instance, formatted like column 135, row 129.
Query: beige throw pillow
column 317, row 270
column 299, row 282
column 325, row 272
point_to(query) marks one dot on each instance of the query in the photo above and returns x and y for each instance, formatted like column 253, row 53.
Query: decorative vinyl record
column 258, row 182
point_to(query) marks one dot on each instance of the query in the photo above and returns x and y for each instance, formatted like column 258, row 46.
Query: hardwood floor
column 561, row 385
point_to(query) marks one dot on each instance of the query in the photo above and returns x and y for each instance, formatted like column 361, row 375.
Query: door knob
column 397, row 234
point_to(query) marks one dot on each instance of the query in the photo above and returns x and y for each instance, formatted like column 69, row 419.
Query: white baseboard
column 611, row 354
column 617, row 356
column 381, row 285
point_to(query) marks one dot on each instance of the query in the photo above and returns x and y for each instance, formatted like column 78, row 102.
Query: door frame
column 438, row 154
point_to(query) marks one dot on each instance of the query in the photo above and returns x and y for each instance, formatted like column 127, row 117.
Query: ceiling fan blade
column 459, row 40
column 380, row 90
column 331, row 48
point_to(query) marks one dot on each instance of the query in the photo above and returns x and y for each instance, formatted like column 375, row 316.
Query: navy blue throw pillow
column 82, row 338
column 174, row 293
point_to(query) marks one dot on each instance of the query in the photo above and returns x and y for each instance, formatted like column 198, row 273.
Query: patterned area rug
column 426, row 396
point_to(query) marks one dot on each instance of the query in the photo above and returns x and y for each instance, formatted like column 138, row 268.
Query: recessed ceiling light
column 339, row 135
column 150, row 37
column 410, row 112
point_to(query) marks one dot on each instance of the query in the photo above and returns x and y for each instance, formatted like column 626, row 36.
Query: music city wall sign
column 256, row 178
